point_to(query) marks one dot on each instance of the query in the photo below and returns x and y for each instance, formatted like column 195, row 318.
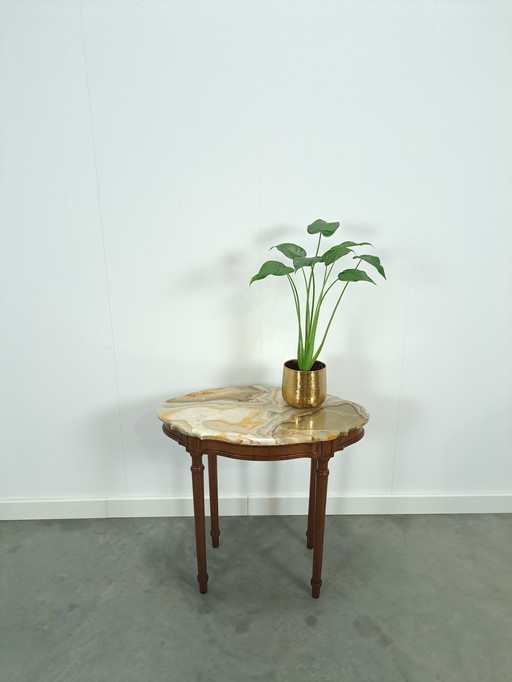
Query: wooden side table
column 254, row 423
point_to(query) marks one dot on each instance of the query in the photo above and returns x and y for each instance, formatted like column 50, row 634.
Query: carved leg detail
column 197, row 470
column 310, row 533
column 214, row 500
column 321, row 476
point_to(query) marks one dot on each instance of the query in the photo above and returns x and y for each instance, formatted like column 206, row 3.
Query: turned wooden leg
column 310, row 533
column 197, row 470
column 322, row 473
column 214, row 500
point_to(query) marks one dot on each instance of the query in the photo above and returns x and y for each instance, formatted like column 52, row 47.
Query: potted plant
column 304, row 382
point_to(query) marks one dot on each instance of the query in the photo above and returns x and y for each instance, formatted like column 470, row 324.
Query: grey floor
column 416, row 598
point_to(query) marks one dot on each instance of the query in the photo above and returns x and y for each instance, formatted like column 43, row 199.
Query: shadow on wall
column 230, row 321
column 360, row 375
column 150, row 462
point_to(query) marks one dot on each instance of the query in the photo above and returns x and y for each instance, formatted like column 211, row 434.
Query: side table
column 254, row 423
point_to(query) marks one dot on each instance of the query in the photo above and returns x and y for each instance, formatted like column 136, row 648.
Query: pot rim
column 305, row 371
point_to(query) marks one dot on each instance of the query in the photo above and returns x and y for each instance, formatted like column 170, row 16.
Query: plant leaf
column 272, row 267
column 327, row 229
column 335, row 253
column 375, row 261
column 356, row 244
column 290, row 250
column 299, row 263
column 354, row 275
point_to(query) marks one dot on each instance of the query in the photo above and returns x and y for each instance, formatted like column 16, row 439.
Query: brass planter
column 304, row 389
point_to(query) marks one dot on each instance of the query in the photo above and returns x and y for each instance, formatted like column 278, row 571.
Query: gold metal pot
column 304, row 389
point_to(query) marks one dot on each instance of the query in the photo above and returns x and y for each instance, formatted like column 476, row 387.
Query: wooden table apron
column 320, row 453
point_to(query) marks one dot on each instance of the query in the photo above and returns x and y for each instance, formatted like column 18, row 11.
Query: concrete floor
column 416, row 598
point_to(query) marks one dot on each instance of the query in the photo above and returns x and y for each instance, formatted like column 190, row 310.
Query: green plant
column 308, row 314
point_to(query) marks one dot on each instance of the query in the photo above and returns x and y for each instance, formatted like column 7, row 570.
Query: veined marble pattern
column 258, row 415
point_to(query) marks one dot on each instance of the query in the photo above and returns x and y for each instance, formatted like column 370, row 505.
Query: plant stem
column 318, row 245
column 312, row 275
column 309, row 340
column 316, row 315
column 328, row 289
column 297, row 310
column 332, row 316
column 308, row 307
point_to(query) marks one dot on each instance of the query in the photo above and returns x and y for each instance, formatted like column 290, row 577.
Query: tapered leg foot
column 203, row 583
column 315, row 589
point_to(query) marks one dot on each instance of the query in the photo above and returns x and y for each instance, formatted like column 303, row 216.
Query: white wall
column 152, row 152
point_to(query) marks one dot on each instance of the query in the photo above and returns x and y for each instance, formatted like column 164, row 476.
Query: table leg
column 214, row 500
column 197, row 470
column 310, row 533
column 321, row 476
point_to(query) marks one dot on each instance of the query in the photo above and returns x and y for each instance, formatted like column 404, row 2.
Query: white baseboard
column 100, row 508
column 387, row 504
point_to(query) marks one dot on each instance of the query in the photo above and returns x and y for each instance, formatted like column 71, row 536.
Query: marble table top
column 258, row 415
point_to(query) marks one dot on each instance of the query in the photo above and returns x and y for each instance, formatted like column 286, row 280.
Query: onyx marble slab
column 258, row 415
